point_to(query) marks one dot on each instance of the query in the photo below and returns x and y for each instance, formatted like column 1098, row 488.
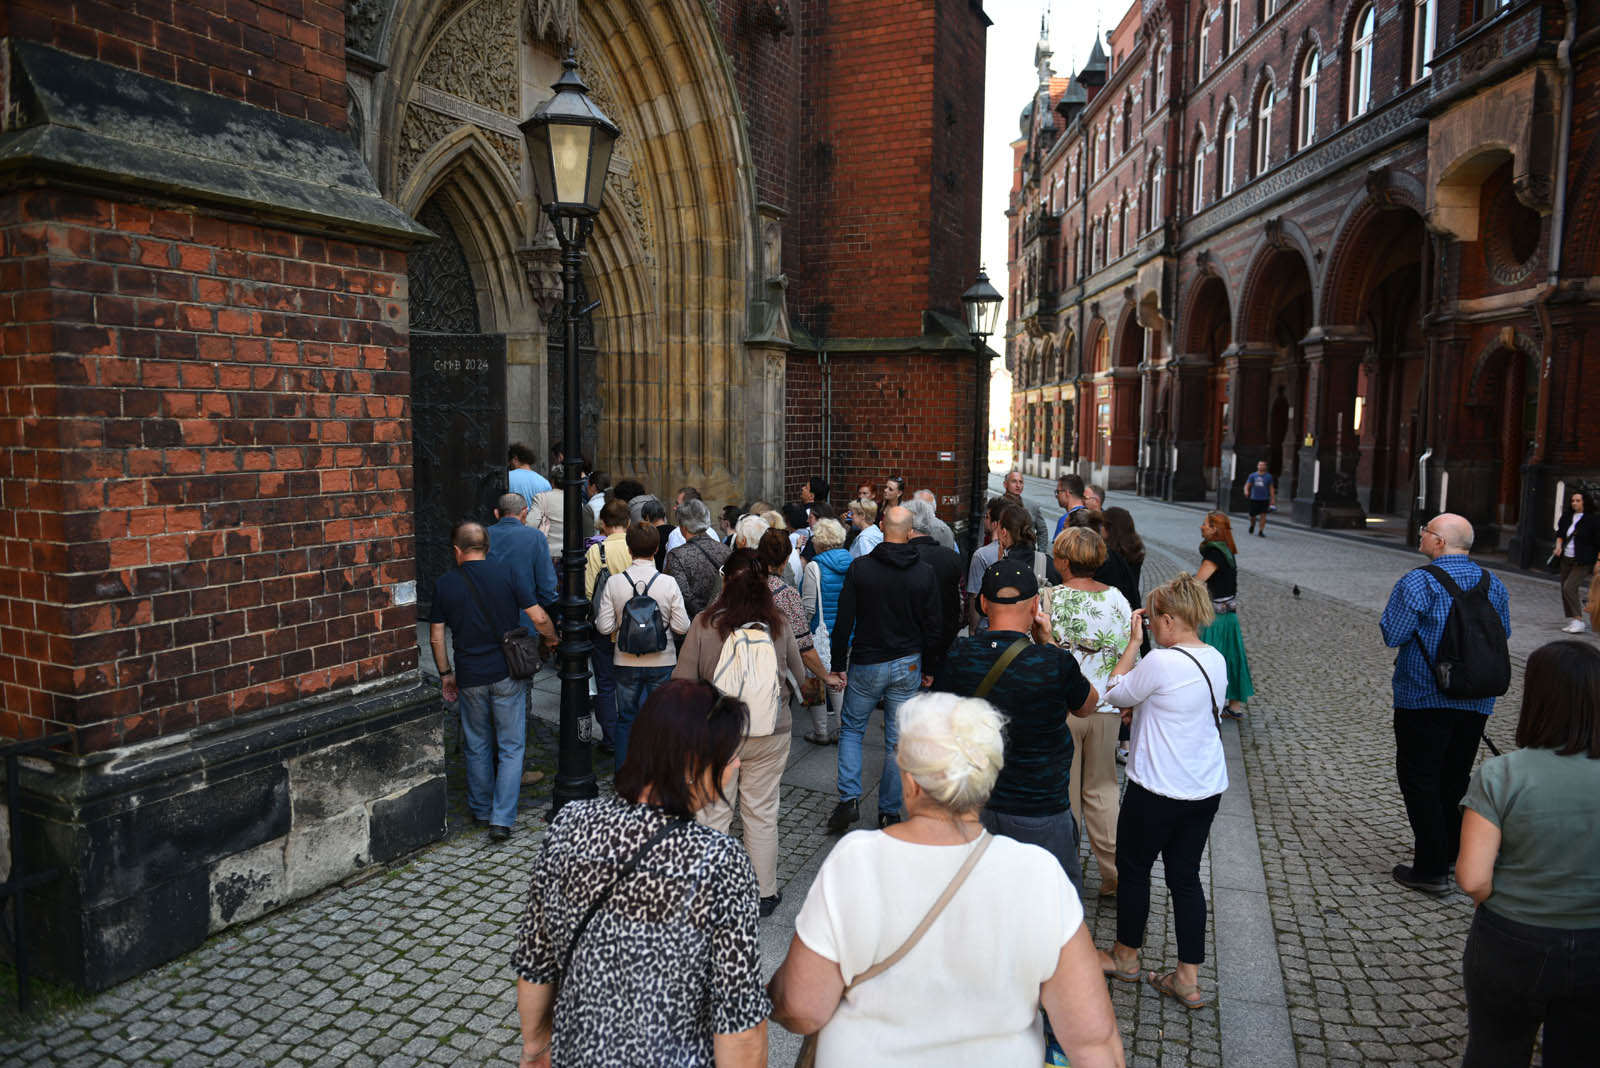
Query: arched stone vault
column 674, row 247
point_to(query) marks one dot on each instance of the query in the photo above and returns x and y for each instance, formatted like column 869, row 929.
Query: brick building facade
column 273, row 268
column 1348, row 239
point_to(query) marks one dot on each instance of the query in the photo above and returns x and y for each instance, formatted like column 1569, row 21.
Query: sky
column 1010, row 82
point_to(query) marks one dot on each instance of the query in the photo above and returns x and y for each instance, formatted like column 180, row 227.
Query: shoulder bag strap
column 1210, row 693
column 605, row 895
column 1442, row 577
column 982, row 843
column 695, row 541
column 999, row 668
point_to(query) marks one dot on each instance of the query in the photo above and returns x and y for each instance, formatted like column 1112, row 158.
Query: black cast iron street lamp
column 569, row 143
column 982, row 305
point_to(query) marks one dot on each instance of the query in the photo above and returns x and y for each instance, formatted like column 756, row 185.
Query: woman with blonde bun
column 1176, row 775
column 913, row 896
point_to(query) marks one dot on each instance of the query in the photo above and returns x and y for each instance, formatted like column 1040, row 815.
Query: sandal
column 1189, row 997
column 1108, row 966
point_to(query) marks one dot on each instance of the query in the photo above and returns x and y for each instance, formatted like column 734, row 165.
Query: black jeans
column 1433, row 753
column 1518, row 976
column 1151, row 825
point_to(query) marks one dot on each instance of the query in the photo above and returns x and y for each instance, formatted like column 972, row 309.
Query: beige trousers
column 755, row 789
column 1093, row 788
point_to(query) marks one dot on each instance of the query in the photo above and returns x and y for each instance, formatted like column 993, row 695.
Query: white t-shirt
column 1176, row 750
column 676, row 539
column 1568, row 546
column 968, row 993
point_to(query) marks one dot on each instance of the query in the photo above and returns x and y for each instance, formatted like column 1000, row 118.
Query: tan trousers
column 755, row 789
column 1093, row 788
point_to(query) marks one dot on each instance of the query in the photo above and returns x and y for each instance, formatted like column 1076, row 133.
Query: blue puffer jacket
column 831, row 567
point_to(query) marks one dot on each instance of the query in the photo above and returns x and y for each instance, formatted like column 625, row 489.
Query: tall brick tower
column 205, row 469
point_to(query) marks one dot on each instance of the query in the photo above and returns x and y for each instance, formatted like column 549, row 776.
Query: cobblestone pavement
column 408, row 966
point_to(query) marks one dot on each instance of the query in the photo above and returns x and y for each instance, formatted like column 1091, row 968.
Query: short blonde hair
column 1081, row 549
column 829, row 534
column 1185, row 597
column 867, row 508
column 774, row 519
column 748, row 530
column 953, row 747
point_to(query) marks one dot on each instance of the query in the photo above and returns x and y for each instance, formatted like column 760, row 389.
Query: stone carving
column 421, row 130
column 508, row 148
column 362, row 18
column 542, row 263
column 443, row 298
column 622, row 184
column 770, row 16
column 552, row 20
column 475, row 56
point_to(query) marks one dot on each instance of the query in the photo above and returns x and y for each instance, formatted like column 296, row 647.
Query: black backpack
column 641, row 630
column 600, row 581
column 1473, row 660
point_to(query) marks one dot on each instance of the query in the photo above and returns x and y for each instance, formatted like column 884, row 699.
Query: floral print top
column 1093, row 627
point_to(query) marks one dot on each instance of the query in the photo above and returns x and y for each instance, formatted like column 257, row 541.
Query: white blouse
column 968, row 993
column 1176, row 749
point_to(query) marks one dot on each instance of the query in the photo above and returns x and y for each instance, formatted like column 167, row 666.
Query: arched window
column 1200, row 49
column 1100, row 152
column 1361, row 61
column 1230, row 27
column 1161, row 79
column 1122, row 230
column 1127, row 120
column 1198, row 180
column 1229, row 155
column 1102, row 350
column 1307, row 114
column 1264, row 129
column 1157, row 213
column 1423, row 19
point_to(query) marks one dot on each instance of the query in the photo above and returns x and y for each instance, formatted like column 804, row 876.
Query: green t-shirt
column 1548, row 810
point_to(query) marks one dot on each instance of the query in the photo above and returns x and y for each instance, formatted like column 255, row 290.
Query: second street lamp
column 981, row 303
column 569, row 142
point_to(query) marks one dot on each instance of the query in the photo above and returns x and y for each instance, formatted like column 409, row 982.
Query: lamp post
column 569, row 143
column 982, row 306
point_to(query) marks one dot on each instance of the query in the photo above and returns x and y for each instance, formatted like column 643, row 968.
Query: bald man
column 1435, row 737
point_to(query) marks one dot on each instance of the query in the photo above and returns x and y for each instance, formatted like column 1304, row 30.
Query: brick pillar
column 1330, row 451
column 1245, row 437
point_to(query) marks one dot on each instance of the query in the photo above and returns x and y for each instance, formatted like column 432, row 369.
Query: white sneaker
column 1574, row 626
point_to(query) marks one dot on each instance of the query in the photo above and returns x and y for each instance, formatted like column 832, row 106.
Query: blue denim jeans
column 894, row 682
column 493, row 719
column 634, row 687
column 605, row 689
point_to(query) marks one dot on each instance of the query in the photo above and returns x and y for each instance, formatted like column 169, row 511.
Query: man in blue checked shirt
column 1435, row 737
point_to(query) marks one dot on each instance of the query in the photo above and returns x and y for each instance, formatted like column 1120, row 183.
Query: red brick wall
column 766, row 71
column 205, row 466
column 883, row 424
column 286, row 55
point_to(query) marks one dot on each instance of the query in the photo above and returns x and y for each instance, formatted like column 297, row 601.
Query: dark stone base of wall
column 162, row 845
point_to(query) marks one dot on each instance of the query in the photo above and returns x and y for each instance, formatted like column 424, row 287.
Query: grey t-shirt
column 1548, row 810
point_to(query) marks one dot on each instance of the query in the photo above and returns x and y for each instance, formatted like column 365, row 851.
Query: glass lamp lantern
column 982, row 305
column 569, row 143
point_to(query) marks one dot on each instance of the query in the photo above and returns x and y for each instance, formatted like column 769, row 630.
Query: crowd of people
column 1010, row 684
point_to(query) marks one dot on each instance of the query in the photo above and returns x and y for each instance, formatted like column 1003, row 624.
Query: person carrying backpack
column 637, row 608
column 743, row 645
column 1449, row 622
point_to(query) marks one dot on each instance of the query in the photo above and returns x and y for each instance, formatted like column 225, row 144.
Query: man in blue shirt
column 523, row 479
column 1261, row 489
column 479, row 601
column 1069, row 495
column 1436, row 737
column 525, row 551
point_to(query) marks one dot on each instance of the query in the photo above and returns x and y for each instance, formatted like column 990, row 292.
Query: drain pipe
column 825, row 389
column 1558, row 221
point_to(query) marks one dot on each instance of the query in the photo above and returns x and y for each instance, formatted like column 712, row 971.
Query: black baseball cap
column 1012, row 575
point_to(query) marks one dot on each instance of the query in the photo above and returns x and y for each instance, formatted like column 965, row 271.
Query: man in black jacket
column 946, row 570
column 888, row 625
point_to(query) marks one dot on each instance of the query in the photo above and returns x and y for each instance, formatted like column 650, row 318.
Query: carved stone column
column 1329, row 452
column 1190, row 381
column 1244, row 438
column 767, row 347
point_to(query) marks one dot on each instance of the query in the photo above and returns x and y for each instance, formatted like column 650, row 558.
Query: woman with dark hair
column 1017, row 537
column 741, row 611
column 1219, row 570
column 1578, row 550
column 638, row 941
column 1530, row 858
column 1124, row 553
column 894, row 492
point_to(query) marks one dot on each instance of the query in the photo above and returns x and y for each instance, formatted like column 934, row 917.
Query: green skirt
column 1224, row 636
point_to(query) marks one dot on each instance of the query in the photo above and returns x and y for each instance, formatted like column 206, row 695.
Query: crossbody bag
column 808, row 1046
column 519, row 644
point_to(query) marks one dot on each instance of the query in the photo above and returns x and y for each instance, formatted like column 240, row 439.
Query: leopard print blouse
column 669, row 961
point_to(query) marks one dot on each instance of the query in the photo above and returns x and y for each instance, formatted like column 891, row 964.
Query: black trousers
column 1518, row 976
column 1433, row 753
column 1150, row 825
